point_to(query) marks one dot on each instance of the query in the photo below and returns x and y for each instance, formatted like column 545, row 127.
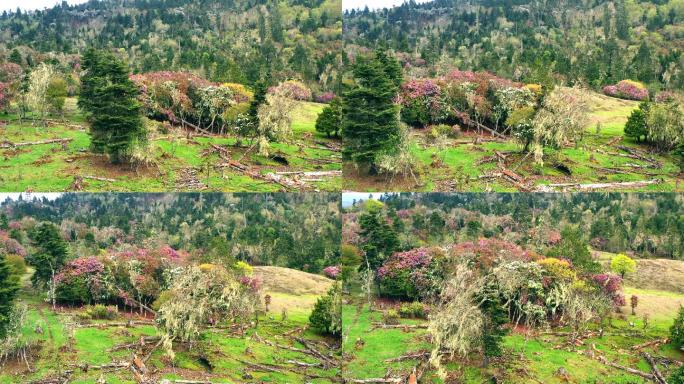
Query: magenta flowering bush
column 292, row 89
column 485, row 253
column 627, row 89
column 10, row 246
column 611, row 286
column 325, row 97
column 665, row 97
column 332, row 271
column 409, row 274
column 252, row 283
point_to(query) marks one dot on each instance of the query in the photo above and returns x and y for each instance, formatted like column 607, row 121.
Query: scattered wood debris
column 7, row 144
column 578, row 186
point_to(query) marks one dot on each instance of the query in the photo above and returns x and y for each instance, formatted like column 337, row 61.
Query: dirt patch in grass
column 661, row 274
column 292, row 282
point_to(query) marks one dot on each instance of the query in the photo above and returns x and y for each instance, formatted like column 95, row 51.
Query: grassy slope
column 48, row 168
column 530, row 359
column 59, row 351
column 461, row 159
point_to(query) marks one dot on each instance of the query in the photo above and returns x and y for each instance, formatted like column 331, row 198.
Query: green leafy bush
column 100, row 312
column 391, row 317
column 677, row 330
column 326, row 316
column 414, row 310
column 677, row 377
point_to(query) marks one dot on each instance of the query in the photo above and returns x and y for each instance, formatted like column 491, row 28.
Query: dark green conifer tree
column 9, row 287
column 109, row 99
column 370, row 122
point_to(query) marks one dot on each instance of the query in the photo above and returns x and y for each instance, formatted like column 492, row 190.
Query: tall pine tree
column 370, row 123
column 109, row 99
column 8, row 292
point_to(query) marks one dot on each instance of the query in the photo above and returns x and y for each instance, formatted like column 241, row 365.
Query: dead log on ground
column 142, row 342
column 625, row 184
column 99, row 178
column 326, row 360
column 654, row 368
column 304, row 364
column 377, row 380
column 633, row 371
column 399, row 326
column 7, row 144
column 411, row 356
column 649, row 344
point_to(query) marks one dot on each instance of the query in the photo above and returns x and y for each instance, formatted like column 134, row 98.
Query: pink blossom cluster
column 79, row 267
column 325, row 97
column 420, row 88
column 11, row 246
column 611, row 286
column 665, row 96
column 487, row 252
column 332, row 271
column 4, row 95
column 627, row 89
column 15, row 225
column 409, row 260
column 293, row 89
column 10, row 72
column 253, row 283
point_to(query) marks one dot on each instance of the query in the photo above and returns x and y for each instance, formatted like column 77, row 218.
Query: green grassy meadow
column 180, row 163
column 538, row 356
column 224, row 355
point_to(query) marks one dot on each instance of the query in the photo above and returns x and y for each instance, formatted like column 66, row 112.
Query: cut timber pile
column 7, row 144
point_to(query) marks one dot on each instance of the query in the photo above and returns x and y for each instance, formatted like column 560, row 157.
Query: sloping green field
column 466, row 165
column 178, row 163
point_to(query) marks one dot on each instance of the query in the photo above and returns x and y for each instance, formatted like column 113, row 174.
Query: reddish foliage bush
column 627, row 89
column 293, row 89
column 611, row 286
column 325, row 97
column 332, row 271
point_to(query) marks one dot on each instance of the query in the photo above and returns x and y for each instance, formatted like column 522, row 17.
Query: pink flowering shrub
column 485, row 253
column 10, row 73
column 4, row 96
column 665, row 97
column 332, row 271
column 325, row 97
column 611, row 286
column 627, row 89
column 409, row 274
column 458, row 97
column 254, row 284
column 11, row 246
column 295, row 90
column 81, row 282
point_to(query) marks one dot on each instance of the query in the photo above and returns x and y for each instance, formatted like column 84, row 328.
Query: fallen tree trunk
column 7, row 144
column 649, row 344
column 654, row 368
column 311, row 174
column 116, row 324
column 304, row 364
column 377, row 380
column 623, row 184
column 633, row 371
column 326, row 360
column 411, row 356
column 399, row 326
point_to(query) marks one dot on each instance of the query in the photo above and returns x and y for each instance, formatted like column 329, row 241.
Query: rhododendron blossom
column 332, row 271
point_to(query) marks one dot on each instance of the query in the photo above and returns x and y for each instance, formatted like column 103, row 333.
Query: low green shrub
column 414, row 310
column 391, row 317
column 100, row 312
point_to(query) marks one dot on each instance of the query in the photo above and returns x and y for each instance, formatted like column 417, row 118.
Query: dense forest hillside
column 292, row 230
column 649, row 225
column 592, row 42
column 222, row 40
